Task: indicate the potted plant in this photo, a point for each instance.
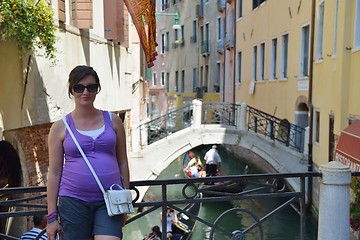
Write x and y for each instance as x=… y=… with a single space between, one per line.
x=30 y=24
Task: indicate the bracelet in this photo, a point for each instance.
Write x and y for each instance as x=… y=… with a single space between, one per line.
x=52 y=220
x=54 y=213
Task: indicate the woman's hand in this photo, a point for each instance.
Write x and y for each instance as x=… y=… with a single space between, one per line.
x=52 y=229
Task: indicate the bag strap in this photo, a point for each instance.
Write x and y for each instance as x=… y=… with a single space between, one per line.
x=83 y=155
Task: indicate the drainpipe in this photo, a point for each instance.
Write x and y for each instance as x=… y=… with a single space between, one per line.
x=235 y=54
x=310 y=105
x=225 y=23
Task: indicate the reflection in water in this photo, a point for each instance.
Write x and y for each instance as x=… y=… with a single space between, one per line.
x=283 y=225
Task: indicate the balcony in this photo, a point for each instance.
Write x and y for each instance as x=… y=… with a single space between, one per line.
x=200 y=9
x=220 y=46
x=205 y=50
x=229 y=40
x=221 y=5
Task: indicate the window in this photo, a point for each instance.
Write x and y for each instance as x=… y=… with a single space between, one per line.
x=201 y=76
x=167 y=82
x=176 y=82
x=218 y=77
x=176 y=35
x=154 y=79
x=195 y=79
x=317 y=126
x=163 y=43
x=273 y=59
x=182 y=35
x=218 y=27
x=256 y=3
x=357 y=25
x=304 y=52
x=194 y=35
x=262 y=61
x=284 y=56
x=320 y=31
x=254 y=63
x=183 y=81
x=162 y=78
x=167 y=41
x=240 y=8
x=206 y=80
x=239 y=64
x=335 y=25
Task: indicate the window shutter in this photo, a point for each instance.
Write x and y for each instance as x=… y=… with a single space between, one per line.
x=82 y=14
x=61 y=4
x=116 y=22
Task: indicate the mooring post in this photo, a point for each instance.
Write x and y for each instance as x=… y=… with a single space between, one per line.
x=334 y=203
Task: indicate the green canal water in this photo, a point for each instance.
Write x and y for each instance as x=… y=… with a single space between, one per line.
x=283 y=225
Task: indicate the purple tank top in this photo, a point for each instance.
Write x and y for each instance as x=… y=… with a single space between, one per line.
x=77 y=180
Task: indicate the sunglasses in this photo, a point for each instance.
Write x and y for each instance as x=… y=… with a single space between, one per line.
x=79 y=88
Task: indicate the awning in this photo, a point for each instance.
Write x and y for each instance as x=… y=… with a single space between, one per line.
x=348 y=147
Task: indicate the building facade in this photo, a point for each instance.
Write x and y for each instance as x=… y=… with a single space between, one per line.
x=195 y=54
x=272 y=57
x=34 y=91
x=336 y=74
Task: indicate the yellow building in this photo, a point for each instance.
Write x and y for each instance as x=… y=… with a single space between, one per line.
x=272 y=57
x=336 y=81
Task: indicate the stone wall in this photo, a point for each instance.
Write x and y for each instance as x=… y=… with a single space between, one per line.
x=31 y=145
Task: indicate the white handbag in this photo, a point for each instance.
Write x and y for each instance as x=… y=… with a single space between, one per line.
x=117 y=201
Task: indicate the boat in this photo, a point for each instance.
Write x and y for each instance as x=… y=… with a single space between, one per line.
x=183 y=228
x=217 y=188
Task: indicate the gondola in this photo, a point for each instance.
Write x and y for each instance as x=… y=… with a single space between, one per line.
x=183 y=229
x=217 y=188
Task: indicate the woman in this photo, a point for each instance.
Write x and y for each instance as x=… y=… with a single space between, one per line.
x=82 y=212
x=155 y=234
x=171 y=218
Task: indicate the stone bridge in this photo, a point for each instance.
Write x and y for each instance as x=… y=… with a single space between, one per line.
x=150 y=160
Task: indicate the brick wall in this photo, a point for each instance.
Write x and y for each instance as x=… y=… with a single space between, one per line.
x=31 y=146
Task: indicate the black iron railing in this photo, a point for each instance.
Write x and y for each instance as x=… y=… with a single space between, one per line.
x=279 y=130
x=165 y=125
x=219 y=113
x=258 y=186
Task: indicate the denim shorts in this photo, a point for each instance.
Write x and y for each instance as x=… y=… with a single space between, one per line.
x=82 y=220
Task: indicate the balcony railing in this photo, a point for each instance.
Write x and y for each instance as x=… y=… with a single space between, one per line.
x=277 y=129
x=205 y=48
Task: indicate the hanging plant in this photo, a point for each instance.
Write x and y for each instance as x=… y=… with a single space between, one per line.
x=355 y=205
x=30 y=24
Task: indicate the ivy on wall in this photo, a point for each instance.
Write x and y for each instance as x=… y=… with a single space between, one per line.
x=355 y=205
x=30 y=24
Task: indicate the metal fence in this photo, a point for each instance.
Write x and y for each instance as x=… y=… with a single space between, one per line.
x=165 y=125
x=258 y=186
x=219 y=113
x=277 y=129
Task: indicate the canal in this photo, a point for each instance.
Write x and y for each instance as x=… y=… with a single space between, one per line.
x=283 y=225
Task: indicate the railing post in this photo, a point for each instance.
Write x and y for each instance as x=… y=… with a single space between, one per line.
x=197 y=110
x=241 y=117
x=334 y=203
x=306 y=142
x=143 y=134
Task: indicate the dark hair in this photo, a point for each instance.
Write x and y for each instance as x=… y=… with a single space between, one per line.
x=156 y=229
x=38 y=219
x=78 y=73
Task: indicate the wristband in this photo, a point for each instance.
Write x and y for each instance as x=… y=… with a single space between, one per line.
x=52 y=220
